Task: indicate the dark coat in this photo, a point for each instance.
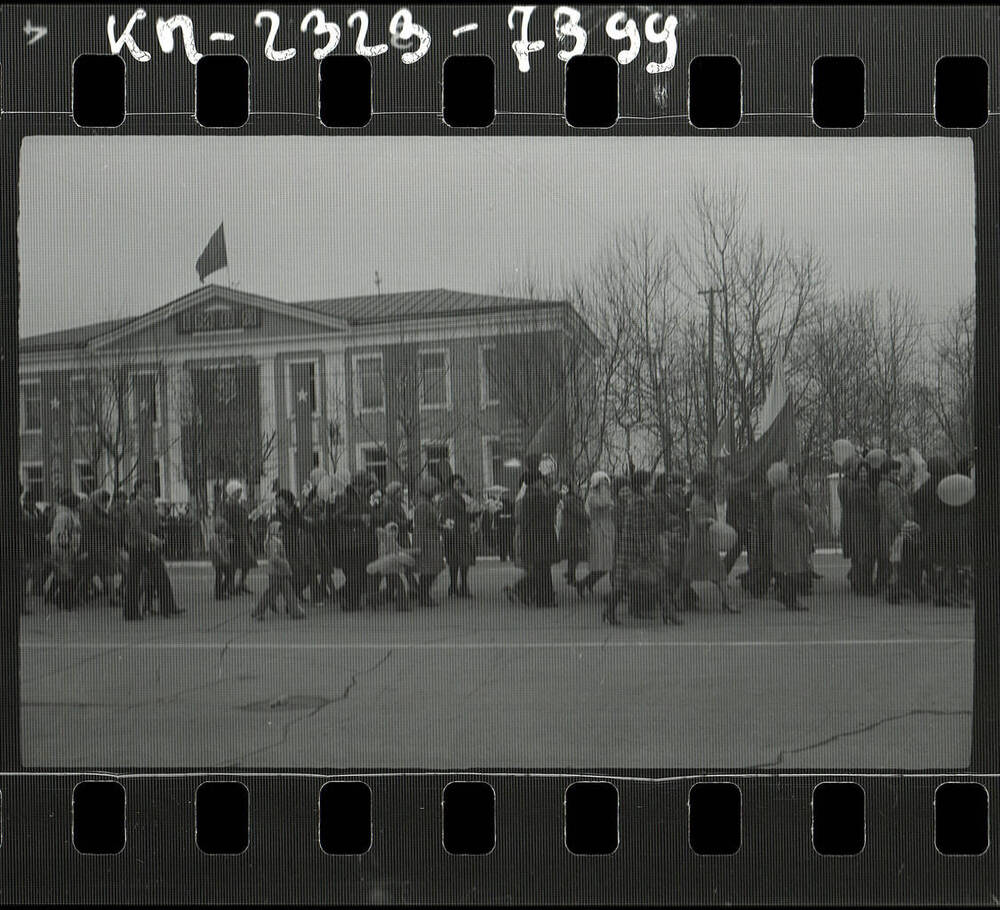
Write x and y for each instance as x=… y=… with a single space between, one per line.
x=458 y=541
x=314 y=522
x=858 y=520
x=429 y=553
x=893 y=510
x=574 y=529
x=355 y=537
x=238 y=519
x=789 y=533
x=739 y=508
x=539 y=545
x=392 y=510
x=637 y=539
x=940 y=525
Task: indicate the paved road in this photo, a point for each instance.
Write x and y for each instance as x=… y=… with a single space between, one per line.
x=853 y=683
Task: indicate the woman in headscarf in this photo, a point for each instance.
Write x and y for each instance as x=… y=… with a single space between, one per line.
x=789 y=534
x=394 y=510
x=859 y=524
x=236 y=516
x=428 y=549
x=572 y=530
x=357 y=543
x=600 y=508
x=458 y=550
x=702 y=561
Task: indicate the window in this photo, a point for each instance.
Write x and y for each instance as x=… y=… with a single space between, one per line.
x=488 y=374
x=375 y=460
x=434 y=379
x=434 y=453
x=81 y=408
x=315 y=458
x=84 y=478
x=31 y=407
x=157 y=478
x=34 y=479
x=368 y=388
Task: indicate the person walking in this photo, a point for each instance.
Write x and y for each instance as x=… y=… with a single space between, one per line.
x=701 y=559
x=572 y=530
x=429 y=551
x=458 y=550
x=220 y=553
x=238 y=519
x=145 y=553
x=357 y=543
x=539 y=545
x=600 y=509
x=789 y=534
x=279 y=577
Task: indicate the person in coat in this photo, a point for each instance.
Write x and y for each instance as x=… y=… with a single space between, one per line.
x=393 y=511
x=859 y=526
x=65 y=540
x=639 y=572
x=279 y=577
x=458 y=550
x=600 y=509
x=355 y=528
x=427 y=546
x=145 y=554
x=701 y=559
x=789 y=534
x=739 y=516
x=97 y=540
x=672 y=530
x=573 y=530
x=939 y=527
x=539 y=545
x=894 y=511
x=238 y=519
x=219 y=552
x=504 y=523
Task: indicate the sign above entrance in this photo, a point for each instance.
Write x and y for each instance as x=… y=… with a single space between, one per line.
x=217 y=317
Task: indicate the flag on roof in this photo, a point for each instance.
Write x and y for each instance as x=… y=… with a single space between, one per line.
x=213 y=257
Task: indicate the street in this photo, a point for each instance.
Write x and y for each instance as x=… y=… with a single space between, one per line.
x=852 y=683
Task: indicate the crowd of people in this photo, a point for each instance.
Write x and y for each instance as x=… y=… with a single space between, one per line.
x=646 y=539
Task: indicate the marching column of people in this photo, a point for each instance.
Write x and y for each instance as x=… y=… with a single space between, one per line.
x=648 y=540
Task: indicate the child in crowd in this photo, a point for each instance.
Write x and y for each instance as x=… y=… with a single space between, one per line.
x=279 y=577
x=220 y=550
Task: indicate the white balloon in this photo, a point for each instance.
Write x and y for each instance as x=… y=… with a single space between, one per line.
x=956 y=490
x=842 y=450
x=876 y=457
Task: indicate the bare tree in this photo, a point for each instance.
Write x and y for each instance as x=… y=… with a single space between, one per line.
x=951 y=383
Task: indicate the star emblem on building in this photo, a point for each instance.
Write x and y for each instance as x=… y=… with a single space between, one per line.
x=302 y=395
x=54 y=403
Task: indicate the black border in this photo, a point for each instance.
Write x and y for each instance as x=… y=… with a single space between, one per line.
x=776 y=46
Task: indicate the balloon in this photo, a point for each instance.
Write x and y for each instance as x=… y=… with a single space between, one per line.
x=842 y=450
x=324 y=488
x=314 y=476
x=512 y=463
x=956 y=490
x=722 y=536
x=876 y=457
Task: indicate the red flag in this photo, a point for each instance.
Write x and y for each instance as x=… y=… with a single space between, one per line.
x=213 y=257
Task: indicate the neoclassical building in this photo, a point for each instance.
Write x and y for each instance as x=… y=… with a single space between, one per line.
x=222 y=383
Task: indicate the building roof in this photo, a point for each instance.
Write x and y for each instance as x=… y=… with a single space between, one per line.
x=365 y=310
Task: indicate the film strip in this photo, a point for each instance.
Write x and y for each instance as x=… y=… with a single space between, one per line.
x=742 y=226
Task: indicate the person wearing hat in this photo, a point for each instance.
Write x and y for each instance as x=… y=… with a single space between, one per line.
x=539 y=545
x=894 y=511
x=600 y=509
x=858 y=524
x=789 y=534
x=145 y=554
x=236 y=516
x=428 y=548
x=65 y=541
x=393 y=511
x=572 y=530
x=458 y=551
x=356 y=541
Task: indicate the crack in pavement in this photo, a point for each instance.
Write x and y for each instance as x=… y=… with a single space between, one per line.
x=236 y=762
x=783 y=753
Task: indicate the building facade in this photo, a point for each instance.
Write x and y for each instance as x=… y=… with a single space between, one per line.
x=222 y=383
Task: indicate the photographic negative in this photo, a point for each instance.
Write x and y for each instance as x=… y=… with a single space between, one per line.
x=423 y=452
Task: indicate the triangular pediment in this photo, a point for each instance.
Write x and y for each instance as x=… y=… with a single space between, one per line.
x=214 y=311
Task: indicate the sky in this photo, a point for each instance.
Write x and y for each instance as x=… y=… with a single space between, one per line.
x=112 y=226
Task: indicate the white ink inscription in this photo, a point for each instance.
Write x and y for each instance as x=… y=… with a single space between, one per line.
x=618 y=32
x=126 y=39
x=165 y=34
x=522 y=47
x=331 y=29
x=269 y=51
x=570 y=29
x=403 y=26
x=361 y=17
x=667 y=34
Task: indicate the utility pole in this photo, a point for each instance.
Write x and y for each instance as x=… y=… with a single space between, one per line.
x=710 y=379
x=378 y=283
